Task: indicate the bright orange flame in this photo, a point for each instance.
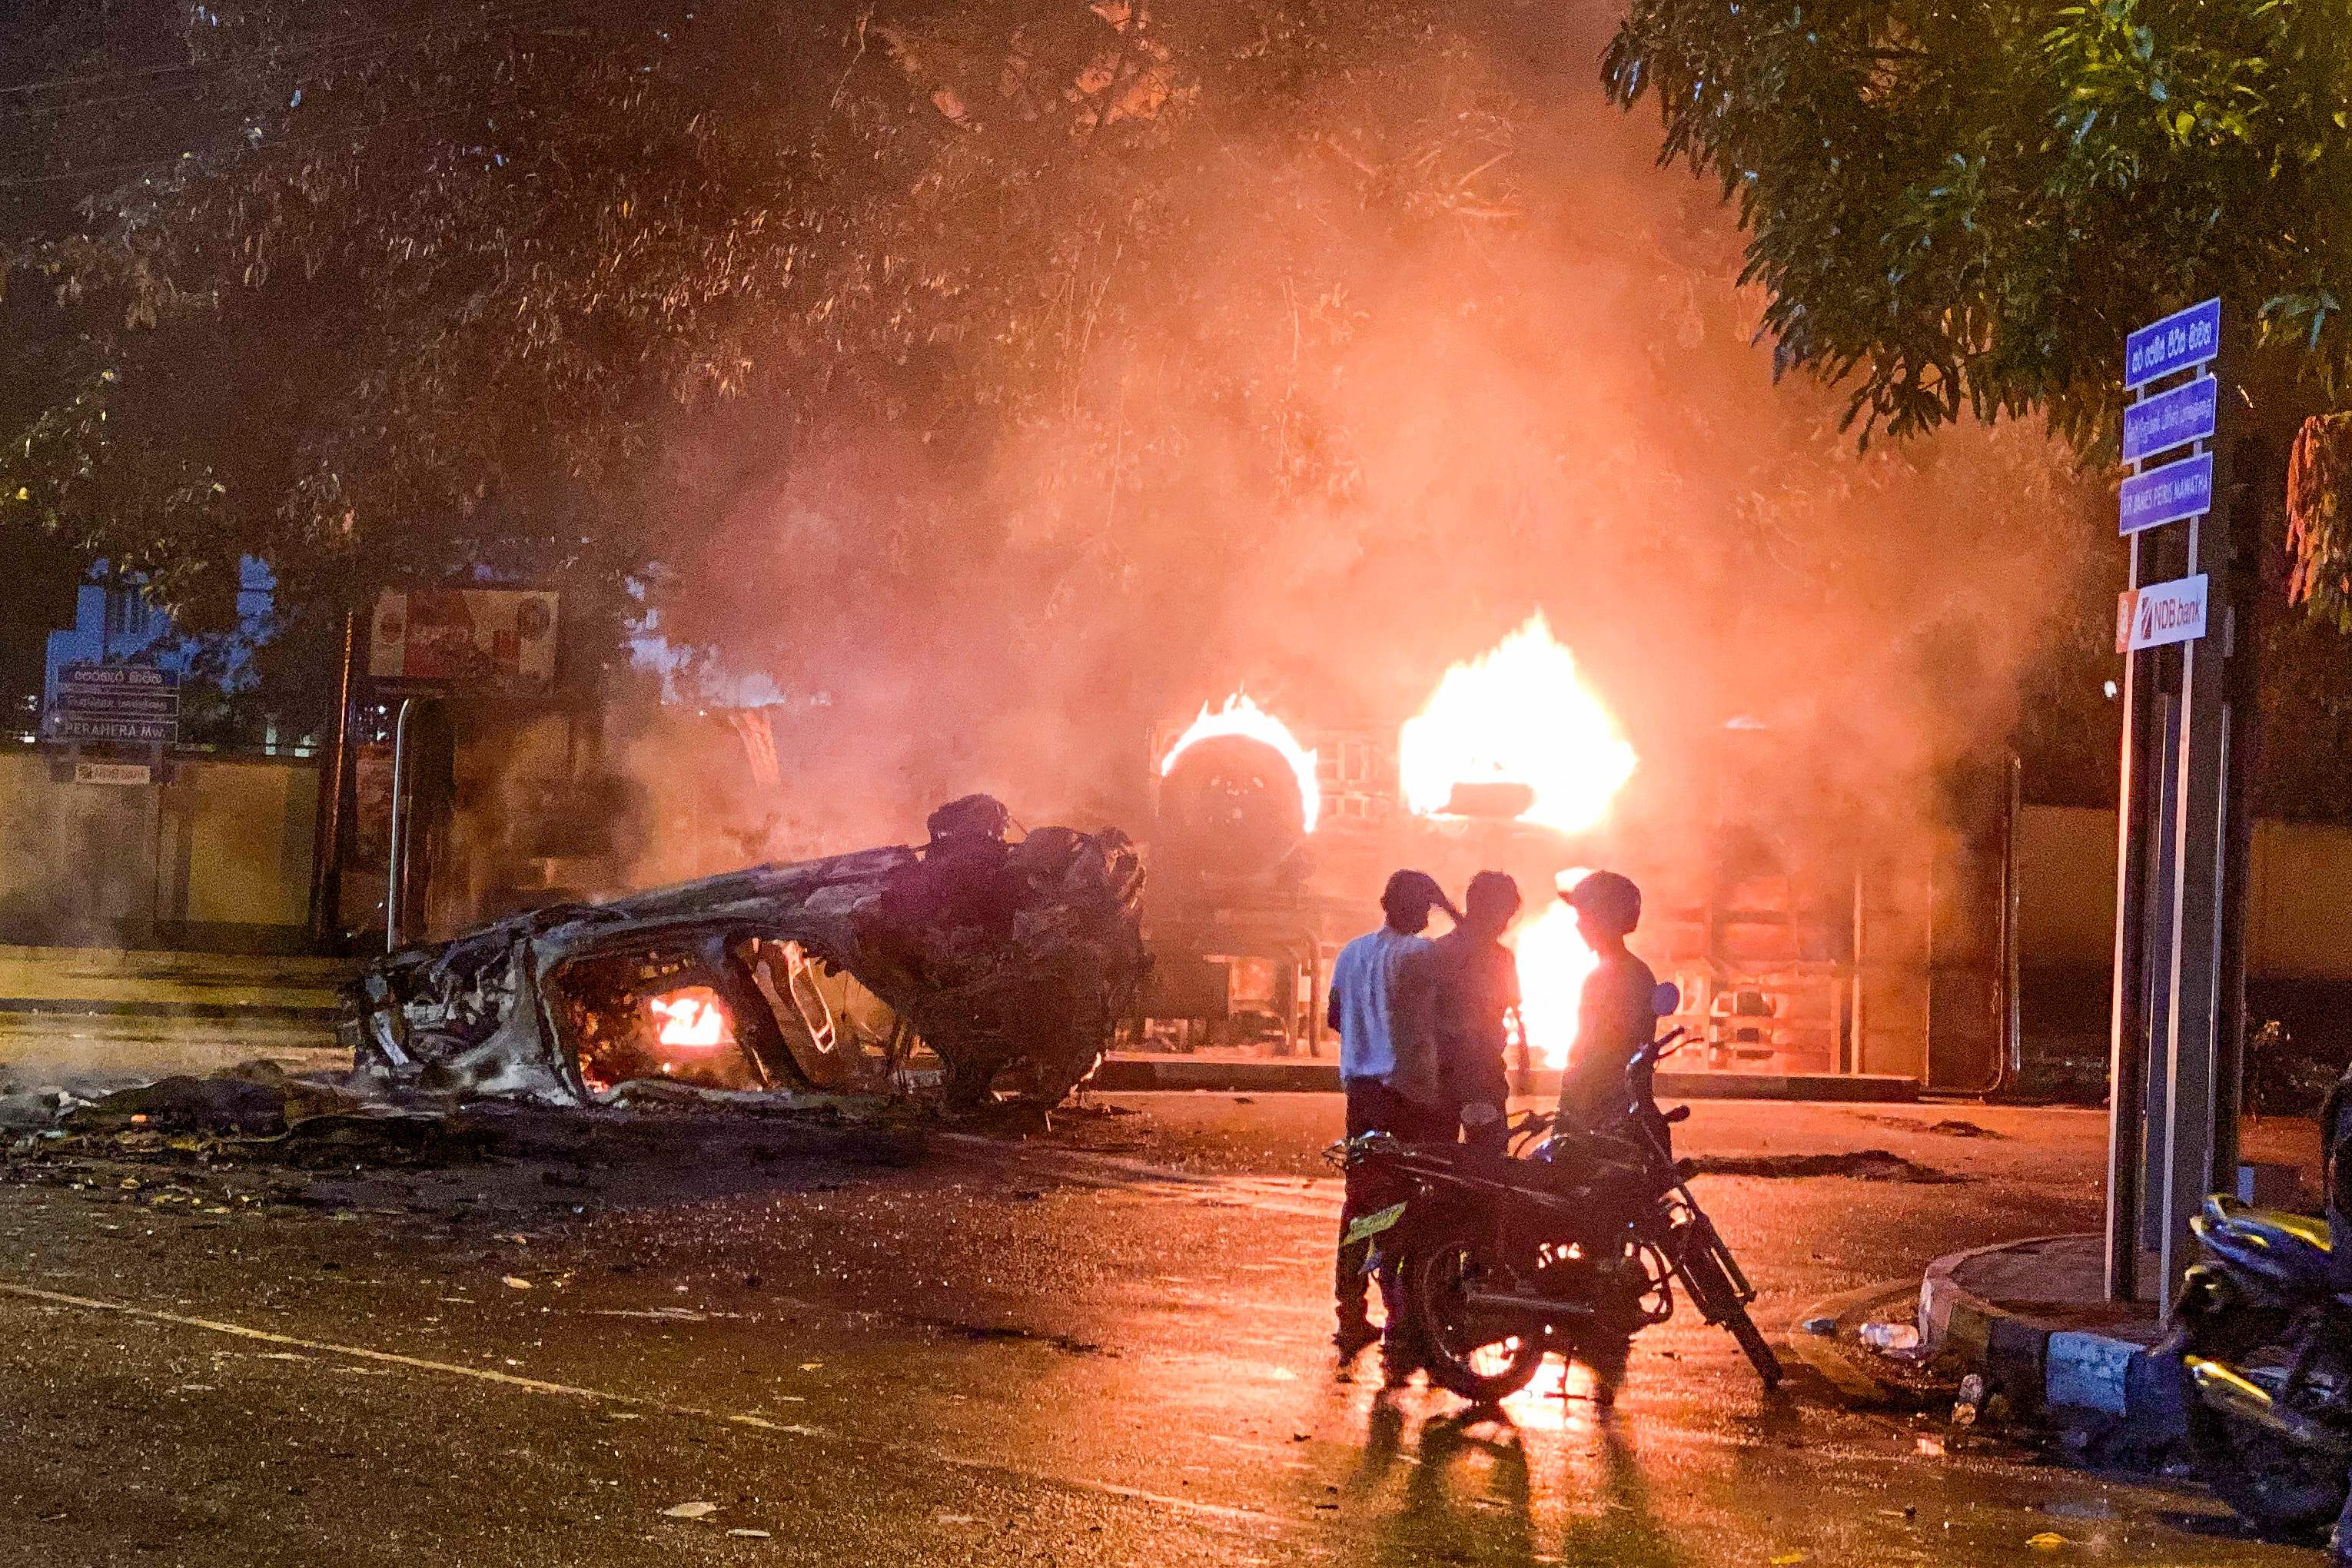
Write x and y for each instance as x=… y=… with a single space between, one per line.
x=691 y=1017
x=1553 y=962
x=1240 y=716
x=1517 y=715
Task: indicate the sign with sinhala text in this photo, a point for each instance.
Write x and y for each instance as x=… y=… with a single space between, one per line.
x=2172 y=418
x=118 y=702
x=2168 y=494
x=2183 y=338
x=2160 y=613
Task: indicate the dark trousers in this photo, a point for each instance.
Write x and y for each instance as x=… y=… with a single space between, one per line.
x=1374 y=1107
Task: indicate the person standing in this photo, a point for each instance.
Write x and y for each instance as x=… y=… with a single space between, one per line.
x=1616 y=1013
x=1388 y=1070
x=1476 y=988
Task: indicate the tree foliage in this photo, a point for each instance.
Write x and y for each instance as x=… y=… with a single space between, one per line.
x=1976 y=202
x=939 y=347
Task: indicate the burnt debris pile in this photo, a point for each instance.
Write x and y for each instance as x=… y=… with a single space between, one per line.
x=978 y=964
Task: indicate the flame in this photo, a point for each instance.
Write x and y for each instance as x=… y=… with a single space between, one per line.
x=1240 y=716
x=690 y=1017
x=1553 y=962
x=1517 y=715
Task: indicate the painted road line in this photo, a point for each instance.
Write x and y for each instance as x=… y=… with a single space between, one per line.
x=1255 y=1521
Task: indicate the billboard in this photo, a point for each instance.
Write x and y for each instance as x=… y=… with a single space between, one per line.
x=448 y=639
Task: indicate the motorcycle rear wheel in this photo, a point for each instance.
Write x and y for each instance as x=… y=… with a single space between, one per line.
x=1478 y=1354
x=2287 y=1492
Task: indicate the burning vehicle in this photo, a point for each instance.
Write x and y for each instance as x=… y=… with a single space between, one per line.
x=1811 y=950
x=1005 y=964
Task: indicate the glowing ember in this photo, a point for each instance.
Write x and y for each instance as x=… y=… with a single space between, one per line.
x=1553 y=962
x=691 y=1017
x=1516 y=718
x=1242 y=717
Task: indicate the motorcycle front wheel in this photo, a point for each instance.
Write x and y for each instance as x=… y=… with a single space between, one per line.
x=1483 y=1356
x=2285 y=1491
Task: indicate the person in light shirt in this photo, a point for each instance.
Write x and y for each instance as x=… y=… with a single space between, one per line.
x=1381 y=1005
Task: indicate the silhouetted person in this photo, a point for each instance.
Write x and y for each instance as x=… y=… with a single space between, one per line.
x=1388 y=1067
x=1475 y=983
x=1615 y=1012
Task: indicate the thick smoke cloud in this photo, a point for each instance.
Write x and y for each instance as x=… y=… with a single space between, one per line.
x=1336 y=391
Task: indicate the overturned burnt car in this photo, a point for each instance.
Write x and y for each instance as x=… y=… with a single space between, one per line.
x=1003 y=967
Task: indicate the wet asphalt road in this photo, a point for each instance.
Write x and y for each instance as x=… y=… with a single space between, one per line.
x=1107 y=1346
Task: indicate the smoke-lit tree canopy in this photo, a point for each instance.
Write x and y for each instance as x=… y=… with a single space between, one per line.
x=1976 y=202
x=1116 y=351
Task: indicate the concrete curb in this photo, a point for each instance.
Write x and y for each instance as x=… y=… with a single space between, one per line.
x=198 y=1012
x=2043 y=1363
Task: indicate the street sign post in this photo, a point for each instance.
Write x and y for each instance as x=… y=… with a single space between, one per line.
x=2182 y=340
x=2169 y=494
x=2171 y=1106
x=2171 y=419
x=134 y=702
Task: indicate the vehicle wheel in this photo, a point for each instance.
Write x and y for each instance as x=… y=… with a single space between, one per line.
x=1480 y=1355
x=2285 y=1491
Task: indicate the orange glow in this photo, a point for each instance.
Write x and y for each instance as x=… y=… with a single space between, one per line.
x=1240 y=716
x=1518 y=714
x=1553 y=962
x=691 y=1017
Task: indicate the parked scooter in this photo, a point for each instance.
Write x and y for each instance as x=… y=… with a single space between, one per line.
x=1567 y=1245
x=2263 y=1330
x=2265 y=1343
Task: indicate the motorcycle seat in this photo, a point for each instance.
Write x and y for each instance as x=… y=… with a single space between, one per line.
x=2290 y=1248
x=2311 y=1230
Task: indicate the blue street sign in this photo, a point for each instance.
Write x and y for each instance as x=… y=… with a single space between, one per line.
x=116 y=702
x=2168 y=494
x=2183 y=338
x=2172 y=418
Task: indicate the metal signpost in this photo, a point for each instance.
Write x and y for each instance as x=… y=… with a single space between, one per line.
x=2172 y=1113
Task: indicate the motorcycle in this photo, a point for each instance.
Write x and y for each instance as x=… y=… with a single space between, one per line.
x=2265 y=1338
x=1555 y=1244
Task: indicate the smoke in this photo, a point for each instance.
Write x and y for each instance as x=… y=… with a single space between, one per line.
x=1320 y=394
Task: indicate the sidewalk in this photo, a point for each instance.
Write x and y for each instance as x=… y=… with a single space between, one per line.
x=2033 y=1317
x=87 y=1014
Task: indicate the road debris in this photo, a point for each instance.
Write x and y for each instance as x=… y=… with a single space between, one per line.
x=1890 y=1338
x=690 y=1510
x=1861 y=1164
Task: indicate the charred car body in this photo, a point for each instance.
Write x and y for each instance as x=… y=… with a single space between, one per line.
x=1009 y=963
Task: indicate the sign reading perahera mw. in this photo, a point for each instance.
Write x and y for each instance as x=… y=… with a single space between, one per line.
x=116 y=702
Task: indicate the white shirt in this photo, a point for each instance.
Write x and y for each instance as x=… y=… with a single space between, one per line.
x=1363 y=997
